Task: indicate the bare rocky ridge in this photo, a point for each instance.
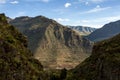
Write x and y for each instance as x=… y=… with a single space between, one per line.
x=55 y=45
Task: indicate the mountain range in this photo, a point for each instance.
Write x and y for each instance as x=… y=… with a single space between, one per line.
x=54 y=45
x=82 y=30
x=18 y=63
x=107 y=31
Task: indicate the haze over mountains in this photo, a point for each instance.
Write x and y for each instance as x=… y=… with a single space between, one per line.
x=83 y=30
x=55 y=45
x=108 y=30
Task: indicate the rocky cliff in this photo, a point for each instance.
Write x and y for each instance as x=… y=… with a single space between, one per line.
x=55 y=45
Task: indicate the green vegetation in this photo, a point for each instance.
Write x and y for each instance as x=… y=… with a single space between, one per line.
x=103 y=64
x=16 y=61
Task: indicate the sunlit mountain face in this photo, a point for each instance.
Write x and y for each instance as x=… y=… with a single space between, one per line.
x=53 y=44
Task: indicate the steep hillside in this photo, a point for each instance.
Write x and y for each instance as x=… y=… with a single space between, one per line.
x=103 y=64
x=83 y=30
x=8 y=19
x=107 y=31
x=16 y=61
x=55 y=45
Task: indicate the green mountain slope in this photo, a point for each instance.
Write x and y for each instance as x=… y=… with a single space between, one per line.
x=16 y=61
x=55 y=45
x=103 y=64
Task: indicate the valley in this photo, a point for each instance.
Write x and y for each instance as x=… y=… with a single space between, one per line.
x=55 y=45
x=39 y=48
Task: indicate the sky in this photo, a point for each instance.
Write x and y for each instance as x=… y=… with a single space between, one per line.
x=92 y=13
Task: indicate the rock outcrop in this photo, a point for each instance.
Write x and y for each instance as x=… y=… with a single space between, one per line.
x=55 y=45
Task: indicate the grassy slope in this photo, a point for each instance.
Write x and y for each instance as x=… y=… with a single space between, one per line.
x=103 y=64
x=16 y=61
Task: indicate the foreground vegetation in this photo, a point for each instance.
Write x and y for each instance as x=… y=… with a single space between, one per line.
x=17 y=62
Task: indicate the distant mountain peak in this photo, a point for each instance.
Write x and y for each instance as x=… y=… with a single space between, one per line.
x=23 y=18
x=83 y=30
x=108 y=30
x=40 y=16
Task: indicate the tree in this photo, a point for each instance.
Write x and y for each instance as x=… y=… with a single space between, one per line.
x=63 y=74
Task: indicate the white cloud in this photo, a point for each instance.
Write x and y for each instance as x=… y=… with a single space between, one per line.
x=2 y=1
x=98 y=22
x=14 y=2
x=107 y=19
x=62 y=19
x=67 y=5
x=96 y=9
x=86 y=3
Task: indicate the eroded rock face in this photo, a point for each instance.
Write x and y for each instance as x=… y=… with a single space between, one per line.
x=103 y=64
x=55 y=45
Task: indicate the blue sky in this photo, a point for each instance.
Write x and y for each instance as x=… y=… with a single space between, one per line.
x=93 y=13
